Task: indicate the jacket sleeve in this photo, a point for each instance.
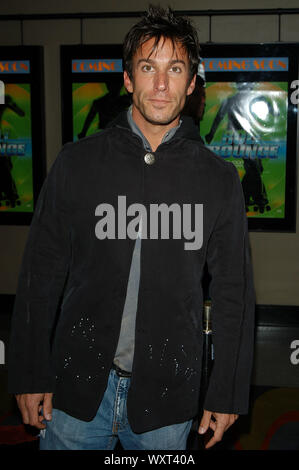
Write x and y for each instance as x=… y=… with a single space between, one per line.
x=41 y=280
x=233 y=305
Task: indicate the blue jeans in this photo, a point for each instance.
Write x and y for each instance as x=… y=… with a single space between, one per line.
x=64 y=432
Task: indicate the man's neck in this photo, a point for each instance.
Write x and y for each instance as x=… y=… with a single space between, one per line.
x=153 y=133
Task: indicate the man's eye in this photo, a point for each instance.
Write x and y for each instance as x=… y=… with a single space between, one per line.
x=176 y=69
x=147 y=68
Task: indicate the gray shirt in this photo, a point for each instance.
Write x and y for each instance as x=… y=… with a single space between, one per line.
x=125 y=349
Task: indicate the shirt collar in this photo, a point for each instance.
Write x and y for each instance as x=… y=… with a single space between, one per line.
x=167 y=136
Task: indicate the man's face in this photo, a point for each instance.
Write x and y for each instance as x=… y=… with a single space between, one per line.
x=160 y=82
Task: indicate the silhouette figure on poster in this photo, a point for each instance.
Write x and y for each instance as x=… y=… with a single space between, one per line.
x=238 y=108
x=8 y=189
x=107 y=107
x=195 y=103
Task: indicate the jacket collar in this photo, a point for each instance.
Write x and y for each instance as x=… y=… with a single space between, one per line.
x=186 y=130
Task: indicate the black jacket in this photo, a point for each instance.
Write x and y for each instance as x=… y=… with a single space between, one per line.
x=72 y=286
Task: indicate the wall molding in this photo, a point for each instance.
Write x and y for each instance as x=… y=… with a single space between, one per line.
x=136 y=14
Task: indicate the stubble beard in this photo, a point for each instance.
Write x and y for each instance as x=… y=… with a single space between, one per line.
x=153 y=117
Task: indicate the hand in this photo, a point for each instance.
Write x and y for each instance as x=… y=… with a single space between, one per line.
x=30 y=407
x=218 y=422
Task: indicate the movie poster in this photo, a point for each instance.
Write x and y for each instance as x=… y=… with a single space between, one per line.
x=246 y=123
x=16 y=173
x=250 y=120
x=22 y=152
x=93 y=89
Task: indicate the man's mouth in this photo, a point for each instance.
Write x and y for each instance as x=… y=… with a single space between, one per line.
x=159 y=102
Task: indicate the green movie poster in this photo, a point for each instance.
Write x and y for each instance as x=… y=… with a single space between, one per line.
x=96 y=104
x=16 y=180
x=246 y=123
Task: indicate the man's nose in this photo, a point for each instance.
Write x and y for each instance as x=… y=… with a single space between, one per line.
x=161 y=81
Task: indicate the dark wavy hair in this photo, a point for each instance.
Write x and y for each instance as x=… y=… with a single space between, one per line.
x=162 y=23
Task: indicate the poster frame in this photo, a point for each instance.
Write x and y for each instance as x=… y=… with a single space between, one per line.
x=35 y=56
x=266 y=50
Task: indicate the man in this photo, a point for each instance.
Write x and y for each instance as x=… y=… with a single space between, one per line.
x=122 y=357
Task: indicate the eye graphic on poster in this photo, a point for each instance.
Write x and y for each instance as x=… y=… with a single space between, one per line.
x=250 y=121
x=22 y=152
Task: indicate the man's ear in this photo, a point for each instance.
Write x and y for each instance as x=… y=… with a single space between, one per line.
x=127 y=82
x=191 y=86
